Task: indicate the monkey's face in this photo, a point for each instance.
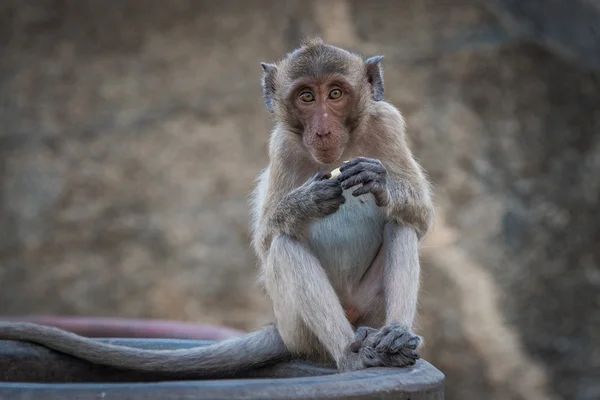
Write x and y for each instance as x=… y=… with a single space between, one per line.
x=322 y=108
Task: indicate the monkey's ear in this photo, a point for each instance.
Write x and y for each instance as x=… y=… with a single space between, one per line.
x=268 y=85
x=375 y=76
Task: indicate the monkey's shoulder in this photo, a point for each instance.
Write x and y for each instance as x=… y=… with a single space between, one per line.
x=386 y=112
x=387 y=122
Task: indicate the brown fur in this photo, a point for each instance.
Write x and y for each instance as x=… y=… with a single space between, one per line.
x=326 y=252
x=310 y=299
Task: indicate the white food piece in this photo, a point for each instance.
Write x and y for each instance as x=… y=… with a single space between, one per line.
x=337 y=171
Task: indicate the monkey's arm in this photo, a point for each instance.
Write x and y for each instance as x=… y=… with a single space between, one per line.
x=290 y=211
x=404 y=192
x=397 y=183
x=409 y=209
x=400 y=257
x=410 y=194
x=402 y=271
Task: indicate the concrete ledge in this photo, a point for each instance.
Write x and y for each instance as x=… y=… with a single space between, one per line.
x=29 y=371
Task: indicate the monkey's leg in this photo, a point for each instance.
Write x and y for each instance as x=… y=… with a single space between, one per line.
x=402 y=272
x=300 y=289
x=368 y=297
x=395 y=344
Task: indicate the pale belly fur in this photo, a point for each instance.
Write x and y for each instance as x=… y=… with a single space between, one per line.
x=347 y=242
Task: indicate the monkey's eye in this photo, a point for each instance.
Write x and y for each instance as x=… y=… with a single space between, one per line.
x=307 y=97
x=335 y=94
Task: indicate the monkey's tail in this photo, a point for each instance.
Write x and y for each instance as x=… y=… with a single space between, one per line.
x=253 y=350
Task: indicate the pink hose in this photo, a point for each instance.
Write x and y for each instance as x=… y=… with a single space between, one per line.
x=131 y=328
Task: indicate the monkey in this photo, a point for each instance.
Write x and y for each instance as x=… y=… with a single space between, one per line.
x=338 y=255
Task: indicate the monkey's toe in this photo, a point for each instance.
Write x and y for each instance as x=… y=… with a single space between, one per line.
x=372 y=358
x=388 y=335
x=360 y=338
x=392 y=341
x=399 y=344
x=391 y=346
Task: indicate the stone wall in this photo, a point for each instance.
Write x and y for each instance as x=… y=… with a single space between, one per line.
x=131 y=133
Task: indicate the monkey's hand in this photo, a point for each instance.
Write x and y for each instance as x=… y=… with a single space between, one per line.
x=317 y=198
x=391 y=346
x=324 y=196
x=371 y=174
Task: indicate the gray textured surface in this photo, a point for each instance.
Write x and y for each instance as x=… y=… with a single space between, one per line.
x=130 y=135
x=30 y=371
x=567 y=27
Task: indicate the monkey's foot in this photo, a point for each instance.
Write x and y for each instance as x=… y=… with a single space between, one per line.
x=391 y=346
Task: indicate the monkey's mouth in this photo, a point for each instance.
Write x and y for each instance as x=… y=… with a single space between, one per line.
x=327 y=156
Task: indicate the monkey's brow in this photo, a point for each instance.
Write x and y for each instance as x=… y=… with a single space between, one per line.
x=301 y=83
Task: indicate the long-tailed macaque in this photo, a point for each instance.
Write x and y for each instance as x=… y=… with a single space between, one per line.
x=339 y=255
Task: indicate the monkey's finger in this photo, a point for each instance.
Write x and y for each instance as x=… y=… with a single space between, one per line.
x=327 y=189
x=382 y=196
x=413 y=343
x=363 y=177
x=339 y=200
x=356 y=161
x=358 y=168
x=333 y=190
x=322 y=175
x=412 y=354
x=370 y=187
x=347 y=173
x=377 y=172
x=329 y=184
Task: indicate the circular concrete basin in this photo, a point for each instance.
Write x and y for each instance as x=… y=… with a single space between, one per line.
x=29 y=371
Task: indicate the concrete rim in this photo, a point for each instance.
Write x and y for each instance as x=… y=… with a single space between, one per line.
x=297 y=381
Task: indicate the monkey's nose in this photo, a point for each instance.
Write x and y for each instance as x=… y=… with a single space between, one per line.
x=323 y=133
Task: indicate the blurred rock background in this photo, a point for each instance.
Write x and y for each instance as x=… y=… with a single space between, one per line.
x=131 y=132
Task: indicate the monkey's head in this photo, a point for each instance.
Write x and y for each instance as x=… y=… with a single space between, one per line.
x=322 y=95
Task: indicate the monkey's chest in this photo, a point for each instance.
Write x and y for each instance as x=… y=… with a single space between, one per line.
x=347 y=242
